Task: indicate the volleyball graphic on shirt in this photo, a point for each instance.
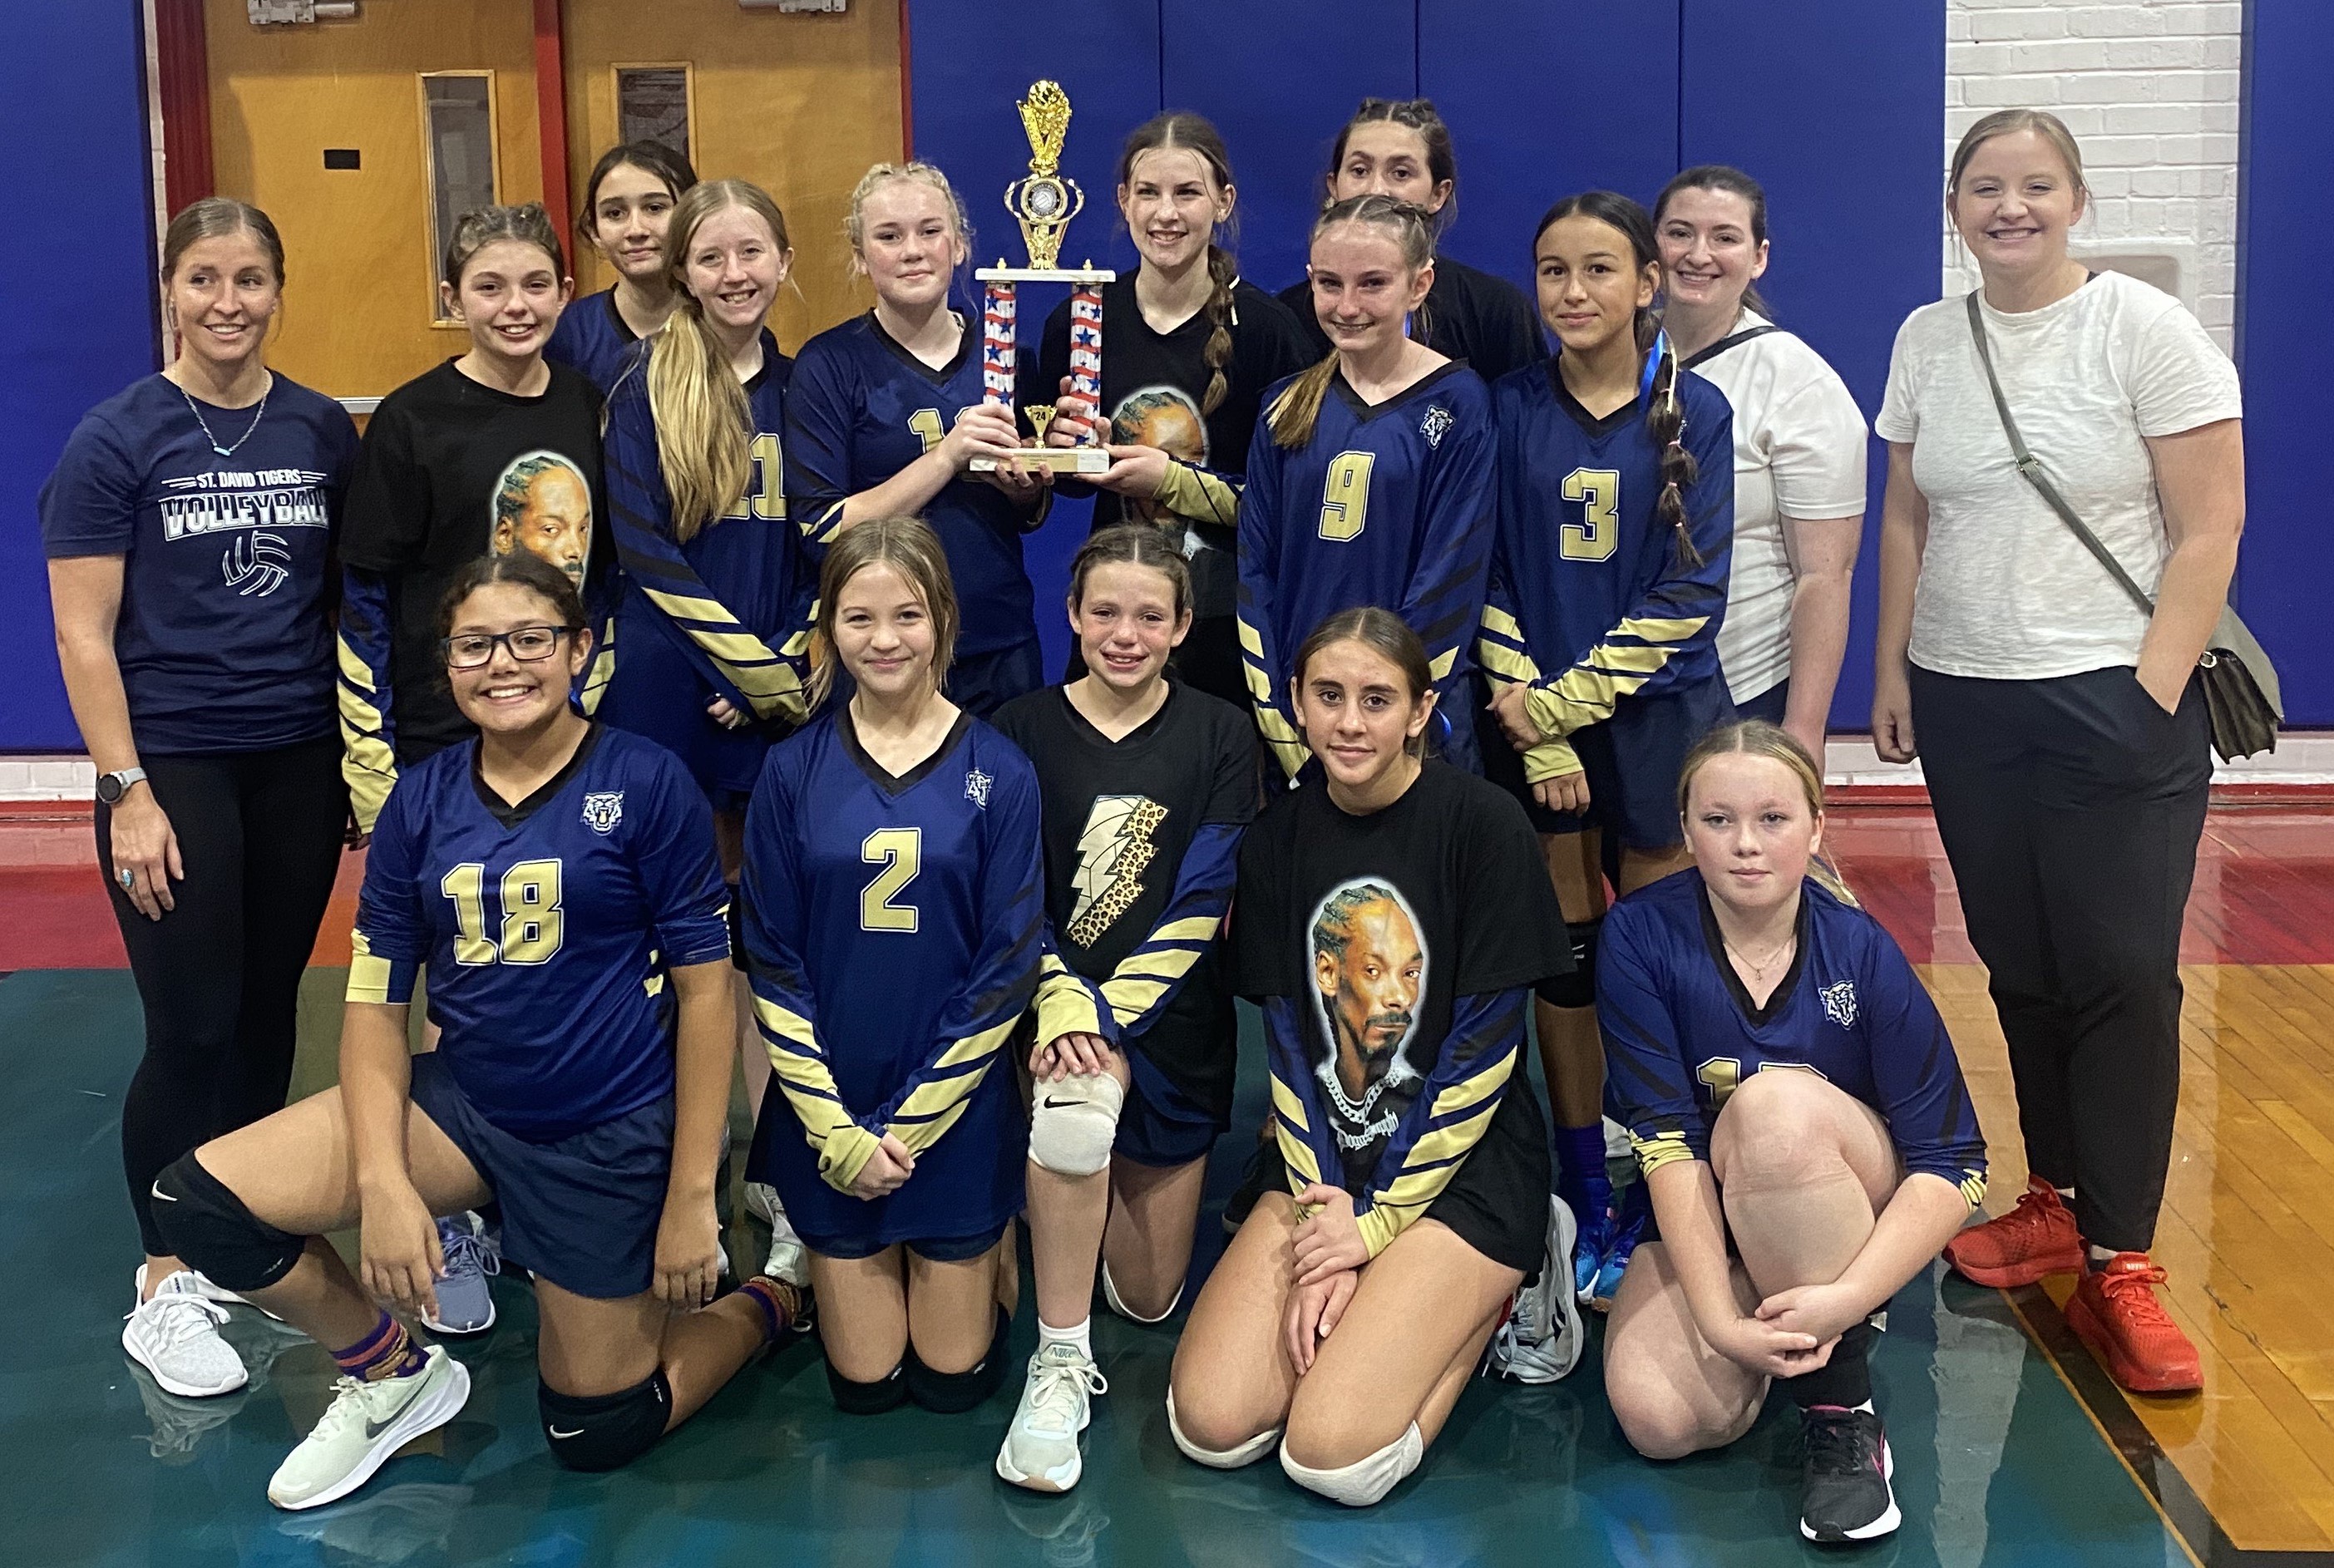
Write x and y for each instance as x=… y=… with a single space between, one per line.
x=1368 y=960
x=543 y=505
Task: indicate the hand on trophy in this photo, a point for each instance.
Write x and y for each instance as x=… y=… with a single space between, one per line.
x=988 y=430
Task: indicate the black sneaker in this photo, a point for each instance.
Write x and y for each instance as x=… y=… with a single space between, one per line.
x=1844 y=1493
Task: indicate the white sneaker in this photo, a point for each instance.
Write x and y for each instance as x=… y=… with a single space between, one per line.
x=789 y=1259
x=174 y=1335
x=1541 y=1339
x=1041 y=1446
x=367 y=1423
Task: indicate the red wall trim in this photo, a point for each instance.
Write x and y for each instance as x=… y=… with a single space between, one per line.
x=551 y=110
x=907 y=94
x=183 y=82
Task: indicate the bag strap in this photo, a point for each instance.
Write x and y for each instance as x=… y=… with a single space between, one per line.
x=1728 y=342
x=2030 y=468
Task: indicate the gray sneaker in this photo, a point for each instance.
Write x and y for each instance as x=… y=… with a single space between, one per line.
x=174 y=1335
x=1541 y=1339
x=465 y=1304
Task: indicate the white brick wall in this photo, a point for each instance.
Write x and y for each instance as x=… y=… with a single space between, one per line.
x=2150 y=89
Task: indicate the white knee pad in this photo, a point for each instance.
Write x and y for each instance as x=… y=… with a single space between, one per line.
x=1364 y=1481
x=1074 y=1123
x=1247 y=1453
x=1109 y=1299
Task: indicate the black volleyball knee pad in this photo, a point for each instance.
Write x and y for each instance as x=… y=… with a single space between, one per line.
x=605 y=1431
x=888 y=1392
x=214 y=1232
x=952 y=1393
x=1577 y=989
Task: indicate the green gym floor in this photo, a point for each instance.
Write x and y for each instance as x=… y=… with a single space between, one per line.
x=1996 y=1460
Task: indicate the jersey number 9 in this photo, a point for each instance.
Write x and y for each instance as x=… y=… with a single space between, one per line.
x=1597 y=533
x=901 y=852
x=533 y=925
x=1346 y=496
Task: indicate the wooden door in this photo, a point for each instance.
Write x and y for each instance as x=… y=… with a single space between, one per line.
x=798 y=104
x=360 y=288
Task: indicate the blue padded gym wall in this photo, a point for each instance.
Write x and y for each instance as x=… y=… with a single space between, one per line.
x=74 y=78
x=1837 y=105
x=2285 y=341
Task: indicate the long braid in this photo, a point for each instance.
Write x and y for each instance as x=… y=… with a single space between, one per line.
x=1223 y=272
x=1665 y=422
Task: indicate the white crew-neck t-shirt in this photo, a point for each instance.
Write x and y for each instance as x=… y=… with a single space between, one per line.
x=2007 y=592
x=1798 y=452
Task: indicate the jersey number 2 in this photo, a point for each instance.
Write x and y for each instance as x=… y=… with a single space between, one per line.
x=533 y=925
x=1346 y=496
x=901 y=852
x=1597 y=533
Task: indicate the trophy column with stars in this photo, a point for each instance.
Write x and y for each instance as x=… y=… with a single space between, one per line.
x=1043 y=203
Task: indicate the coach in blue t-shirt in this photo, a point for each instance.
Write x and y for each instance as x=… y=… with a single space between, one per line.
x=189 y=525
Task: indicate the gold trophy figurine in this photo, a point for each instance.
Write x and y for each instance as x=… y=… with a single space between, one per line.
x=1043 y=203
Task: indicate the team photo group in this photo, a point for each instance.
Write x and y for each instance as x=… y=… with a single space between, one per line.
x=1449 y=671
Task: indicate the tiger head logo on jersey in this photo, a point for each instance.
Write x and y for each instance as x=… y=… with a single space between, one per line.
x=1839 y=1004
x=1369 y=977
x=543 y=505
x=602 y=810
x=976 y=788
x=1435 y=425
x=1112 y=851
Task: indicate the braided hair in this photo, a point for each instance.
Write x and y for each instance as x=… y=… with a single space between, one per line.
x=1180 y=130
x=1664 y=414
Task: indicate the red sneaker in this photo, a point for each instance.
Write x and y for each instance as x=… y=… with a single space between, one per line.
x=2036 y=1238
x=2114 y=1313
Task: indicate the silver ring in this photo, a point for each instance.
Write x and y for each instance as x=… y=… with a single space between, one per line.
x=129 y=878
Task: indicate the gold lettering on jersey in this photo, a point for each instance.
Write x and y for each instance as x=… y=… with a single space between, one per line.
x=1346 y=496
x=1597 y=533
x=533 y=923
x=926 y=424
x=901 y=852
x=1112 y=854
x=764 y=499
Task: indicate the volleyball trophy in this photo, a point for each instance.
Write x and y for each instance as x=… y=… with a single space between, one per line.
x=1043 y=203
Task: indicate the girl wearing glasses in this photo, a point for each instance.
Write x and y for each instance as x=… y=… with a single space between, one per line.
x=559 y=878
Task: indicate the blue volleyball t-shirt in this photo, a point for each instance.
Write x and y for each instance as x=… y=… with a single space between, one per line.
x=221 y=636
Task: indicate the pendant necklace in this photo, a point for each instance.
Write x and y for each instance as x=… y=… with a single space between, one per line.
x=205 y=423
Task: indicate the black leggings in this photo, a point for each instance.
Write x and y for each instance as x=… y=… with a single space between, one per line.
x=2071 y=810
x=259 y=834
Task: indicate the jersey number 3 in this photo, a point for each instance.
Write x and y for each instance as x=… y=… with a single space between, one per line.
x=1346 y=496
x=1597 y=533
x=532 y=922
x=901 y=852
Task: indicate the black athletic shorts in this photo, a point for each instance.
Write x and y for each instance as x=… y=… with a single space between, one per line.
x=1497 y=1201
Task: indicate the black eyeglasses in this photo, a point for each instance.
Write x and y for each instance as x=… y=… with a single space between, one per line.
x=526 y=644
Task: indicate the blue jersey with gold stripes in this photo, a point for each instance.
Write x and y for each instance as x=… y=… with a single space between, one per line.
x=861 y=409
x=892 y=927
x=1393 y=956
x=1390 y=503
x=724 y=613
x=593 y=337
x=546 y=925
x=1681 y=1032
x=1591 y=601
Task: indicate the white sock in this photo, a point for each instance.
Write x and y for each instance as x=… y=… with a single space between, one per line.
x=2100 y=1254
x=1079 y=1333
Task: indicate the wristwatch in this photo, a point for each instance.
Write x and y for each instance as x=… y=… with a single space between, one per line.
x=112 y=786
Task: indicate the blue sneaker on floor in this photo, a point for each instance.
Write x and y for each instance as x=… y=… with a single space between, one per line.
x=1588 y=1252
x=1619 y=1244
x=465 y=1304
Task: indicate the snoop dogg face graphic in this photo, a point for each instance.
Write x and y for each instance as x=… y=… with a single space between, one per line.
x=1369 y=978
x=543 y=505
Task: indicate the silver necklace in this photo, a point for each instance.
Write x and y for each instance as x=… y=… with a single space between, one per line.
x=1772 y=958
x=205 y=423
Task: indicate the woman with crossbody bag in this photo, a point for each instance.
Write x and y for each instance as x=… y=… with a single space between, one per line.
x=2062 y=728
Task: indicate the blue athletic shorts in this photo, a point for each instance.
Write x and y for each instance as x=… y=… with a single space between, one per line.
x=932 y=1249
x=581 y=1211
x=981 y=683
x=1769 y=704
x=1633 y=761
x=1159 y=1125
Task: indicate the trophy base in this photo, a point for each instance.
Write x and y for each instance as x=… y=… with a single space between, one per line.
x=1060 y=460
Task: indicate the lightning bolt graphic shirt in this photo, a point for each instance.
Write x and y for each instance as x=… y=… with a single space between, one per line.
x=221 y=636
x=1141 y=845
